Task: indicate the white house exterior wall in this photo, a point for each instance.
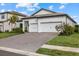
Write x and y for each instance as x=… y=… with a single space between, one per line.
x=35 y=24
x=1 y=26
x=18 y=24
x=50 y=23
x=9 y=15
x=70 y=22
x=52 y=19
x=5 y=15
x=6 y=26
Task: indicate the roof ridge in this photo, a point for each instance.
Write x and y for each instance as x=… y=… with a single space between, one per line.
x=46 y=10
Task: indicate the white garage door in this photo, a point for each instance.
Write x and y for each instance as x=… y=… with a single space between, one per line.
x=48 y=27
x=33 y=27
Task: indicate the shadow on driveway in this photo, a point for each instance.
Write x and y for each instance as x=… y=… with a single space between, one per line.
x=7 y=53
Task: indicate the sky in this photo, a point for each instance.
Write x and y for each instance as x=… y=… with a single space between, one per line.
x=29 y=8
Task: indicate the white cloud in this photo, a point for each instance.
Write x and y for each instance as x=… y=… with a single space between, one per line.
x=8 y=10
x=3 y=10
x=76 y=18
x=2 y=4
x=14 y=10
x=63 y=3
x=31 y=9
x=36 y=5
x=62 y=6
x=28 y=6
x=23 y=12
x=22 y=5
x=50 y=7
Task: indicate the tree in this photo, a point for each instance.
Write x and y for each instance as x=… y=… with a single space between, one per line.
x=12 y=21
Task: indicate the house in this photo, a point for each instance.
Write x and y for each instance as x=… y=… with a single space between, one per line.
x=4 y=22
x=46 y=21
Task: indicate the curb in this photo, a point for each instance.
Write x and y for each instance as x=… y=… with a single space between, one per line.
x=27 y=53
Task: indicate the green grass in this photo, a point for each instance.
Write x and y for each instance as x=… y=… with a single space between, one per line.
x=56 y=52
x=70 y=41
x=7 y=34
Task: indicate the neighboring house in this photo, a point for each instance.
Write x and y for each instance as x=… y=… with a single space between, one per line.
x=46 y=21
x=4 y=22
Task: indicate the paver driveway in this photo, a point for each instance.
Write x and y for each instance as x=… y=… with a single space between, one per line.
x=27 y=41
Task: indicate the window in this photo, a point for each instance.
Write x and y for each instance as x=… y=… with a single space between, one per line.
x=3 y=16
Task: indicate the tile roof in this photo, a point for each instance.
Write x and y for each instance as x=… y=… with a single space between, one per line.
x=54 y=14
x=14 y=12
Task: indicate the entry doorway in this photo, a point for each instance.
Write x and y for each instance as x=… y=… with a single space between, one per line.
x=26 y=26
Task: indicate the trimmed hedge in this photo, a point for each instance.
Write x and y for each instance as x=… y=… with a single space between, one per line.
x=17 y=30
x=68 y=30
x=76 y=28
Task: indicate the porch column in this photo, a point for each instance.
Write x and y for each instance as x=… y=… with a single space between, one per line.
x=23 y=26
x=38 y=25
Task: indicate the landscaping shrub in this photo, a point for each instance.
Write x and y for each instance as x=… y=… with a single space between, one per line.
x=17 y=30
x=77 y=28
x=68 y=30
x=7 y=31
x=26 y=29
x=65 y=29
x=1 y=32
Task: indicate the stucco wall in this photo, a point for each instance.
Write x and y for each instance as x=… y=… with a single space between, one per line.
x=52 y=19
x=35 y=24
x=1 y=26
x=5 y=15
x=6 y=26
x=9 y=15
x=70 y=22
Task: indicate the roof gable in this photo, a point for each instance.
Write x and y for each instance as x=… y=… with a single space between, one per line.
x=43 y=11
x=14 y=12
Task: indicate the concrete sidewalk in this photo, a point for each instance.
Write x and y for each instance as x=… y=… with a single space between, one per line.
x=4 y=51
x=63 y=48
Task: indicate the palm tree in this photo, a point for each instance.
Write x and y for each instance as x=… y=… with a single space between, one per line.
x=12 y=21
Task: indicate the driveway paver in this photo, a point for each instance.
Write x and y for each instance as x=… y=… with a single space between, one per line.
x=27 y=41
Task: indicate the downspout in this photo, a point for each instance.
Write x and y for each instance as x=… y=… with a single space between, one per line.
x=37 y=26
x=3 y=27
x=7 y=21
x=23 y=26
x=66 y=20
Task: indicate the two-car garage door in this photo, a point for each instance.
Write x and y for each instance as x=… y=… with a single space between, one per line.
x=48 y=27
x=44 y=27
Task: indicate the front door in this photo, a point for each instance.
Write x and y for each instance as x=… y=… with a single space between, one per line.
x=26 y=26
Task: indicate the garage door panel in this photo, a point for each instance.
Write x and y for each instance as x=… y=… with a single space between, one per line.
x=48 y=27
x=33 y=28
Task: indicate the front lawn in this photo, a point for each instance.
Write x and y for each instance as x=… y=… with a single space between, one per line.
x=56 y=52
x=71 y=41
x=7 y=34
